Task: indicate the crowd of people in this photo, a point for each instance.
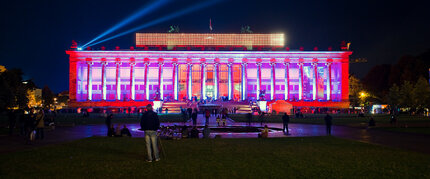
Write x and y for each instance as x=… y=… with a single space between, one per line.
x=179 y=132
x=31 y=123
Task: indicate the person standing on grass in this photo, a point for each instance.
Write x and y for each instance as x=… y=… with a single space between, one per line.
x=249 y=117
x=40 y=124
x=371 y=122
x=327 y=120
x=261 y=118
x=285 y=121
x=393 y=120
x=207 y=116
x=12 y=121
x=108 y=122
x=150 y=124
x=194 y=117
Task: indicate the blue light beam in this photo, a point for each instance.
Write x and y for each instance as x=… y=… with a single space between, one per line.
x=142 y=12
x=165 y=18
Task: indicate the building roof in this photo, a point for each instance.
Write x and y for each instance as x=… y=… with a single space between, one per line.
x=209 y=39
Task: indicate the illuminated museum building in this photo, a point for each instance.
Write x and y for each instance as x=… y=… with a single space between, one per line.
x=179 y=66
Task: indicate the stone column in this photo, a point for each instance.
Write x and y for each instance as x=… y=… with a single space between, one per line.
x=146 y=80
x=118 y=79
x=190 y=81
x=315 y=81
x=132 y=81
x=258 y=80
x=104 y=63
x=203 y=80
x=328 y=83
x=160 y=79
x=272 y=80
x=230 y=83
x=287 y=81
x=216 y=85
x=90 y=80
x=300 y=80
x=175 y=80
x=244 y=80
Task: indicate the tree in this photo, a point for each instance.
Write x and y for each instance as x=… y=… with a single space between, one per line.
x=6 y=94
x=47 y=97
x=421 y=94
x=393 y=97
x=14 y=89
x=355 y=87
x=406 y=95
x=376 y=81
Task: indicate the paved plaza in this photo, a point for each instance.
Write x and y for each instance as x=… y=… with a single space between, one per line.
x=415 y=142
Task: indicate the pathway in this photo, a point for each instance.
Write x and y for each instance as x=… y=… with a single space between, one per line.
x=415 y=142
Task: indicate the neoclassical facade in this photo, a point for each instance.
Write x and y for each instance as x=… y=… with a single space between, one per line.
x=182 y=70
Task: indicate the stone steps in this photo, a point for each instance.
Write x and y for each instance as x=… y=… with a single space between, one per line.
x=174 y=107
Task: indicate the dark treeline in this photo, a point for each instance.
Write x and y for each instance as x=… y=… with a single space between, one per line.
x=409 y=68
x=403 y=84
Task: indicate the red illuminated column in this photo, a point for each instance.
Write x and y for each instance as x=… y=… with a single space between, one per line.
x=90 y=79
x=328 y=83
x=216 y=88
x=146 y=86
x=244 y=80
x=258 y=80
x=272 y=81
x=230 y=86
x=118 y=79
x=175 y=80
x=345 y=80
x=160 y=79
x=287 y=81
x=132 y=81
x=72 y=79
x=300 y=80
x=203 y=80
x=104 y=63
x=315 y=80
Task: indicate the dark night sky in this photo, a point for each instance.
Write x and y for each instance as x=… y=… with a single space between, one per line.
x=35 y=34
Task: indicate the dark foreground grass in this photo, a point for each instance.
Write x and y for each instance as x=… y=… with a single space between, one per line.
x=313 y=157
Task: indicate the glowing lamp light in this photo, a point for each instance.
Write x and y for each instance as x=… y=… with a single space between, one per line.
x=79 y=48
x=363 y=94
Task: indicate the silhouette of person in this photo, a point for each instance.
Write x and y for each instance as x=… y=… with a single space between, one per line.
x=328 y=123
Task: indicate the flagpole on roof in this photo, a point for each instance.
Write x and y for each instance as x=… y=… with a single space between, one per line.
x=210 y=25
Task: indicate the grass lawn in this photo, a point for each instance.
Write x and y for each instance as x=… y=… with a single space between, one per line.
x=311 y=157
x=415 y=130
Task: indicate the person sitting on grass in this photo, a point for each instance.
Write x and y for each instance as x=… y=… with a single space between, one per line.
x=206 y=132
x=194 y=133
x=125 y=132
x=185 y=132
x=111 y=131
x=118 y=131
x=265 y=132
